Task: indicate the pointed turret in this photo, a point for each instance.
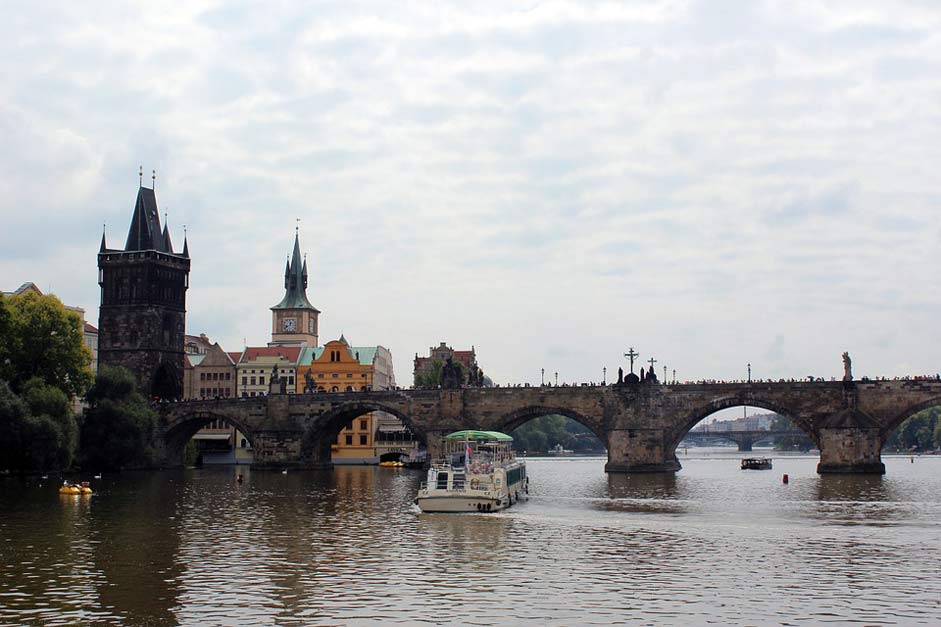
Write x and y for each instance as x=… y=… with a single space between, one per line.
x=186 y=247
x=166 y=239
x=295 y=282
x=104 y=244
x=145 y=233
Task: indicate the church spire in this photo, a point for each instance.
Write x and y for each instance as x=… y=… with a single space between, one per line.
x=104 y=244
x=295 y=281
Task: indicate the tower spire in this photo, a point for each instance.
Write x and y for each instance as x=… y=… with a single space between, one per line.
x=104 y=244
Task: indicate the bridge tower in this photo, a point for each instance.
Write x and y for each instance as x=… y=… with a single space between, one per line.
x=294 y=320
x=142 y=315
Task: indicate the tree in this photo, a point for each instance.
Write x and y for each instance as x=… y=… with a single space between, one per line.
x=41 y=338
x=37 y=429
x=118 y=427
x=432 y=377
x=919 y=433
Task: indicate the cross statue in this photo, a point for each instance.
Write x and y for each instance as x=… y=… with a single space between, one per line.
x=651 y=361
x=631 y=354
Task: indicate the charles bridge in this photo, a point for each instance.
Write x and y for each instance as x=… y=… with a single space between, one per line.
x=641 y=423
x=744 y=439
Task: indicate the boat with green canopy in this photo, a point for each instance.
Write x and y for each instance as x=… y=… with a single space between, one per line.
x=478 y=471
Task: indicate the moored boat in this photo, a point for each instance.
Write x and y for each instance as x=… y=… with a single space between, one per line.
x=479 y=472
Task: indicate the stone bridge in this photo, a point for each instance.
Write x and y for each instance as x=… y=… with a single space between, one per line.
x=745 y=439
x=641 y=424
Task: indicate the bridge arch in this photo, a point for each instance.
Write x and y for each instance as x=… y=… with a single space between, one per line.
x=320 y=434
x=729 y=402
x=517 y=418
x=896 y=421
x=187 y=425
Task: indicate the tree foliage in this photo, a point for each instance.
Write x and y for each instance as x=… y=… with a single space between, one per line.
x=40 y=338
x=545 y=432
x=118 y=427
x=38 y=431
x=921 y=432
x=431 y=378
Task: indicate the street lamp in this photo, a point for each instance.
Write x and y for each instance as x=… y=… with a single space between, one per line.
x=543 y=376
x=674 y=376
x=557 y=379
x=749 y=372
x=665 y=374
x=604 y=375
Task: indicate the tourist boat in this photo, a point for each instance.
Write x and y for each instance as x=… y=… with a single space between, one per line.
x=75 y=488
x=756 y=463
x=557 y=450
x=479 y=472
x=392 y=464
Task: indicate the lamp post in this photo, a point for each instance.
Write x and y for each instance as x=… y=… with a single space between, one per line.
x=674 y=376
x=604 y=376
x=749 y=372
x=543 y=377
x=557 y=379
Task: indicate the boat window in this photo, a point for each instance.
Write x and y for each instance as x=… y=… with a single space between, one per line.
x=457 y=483
x=442 y=483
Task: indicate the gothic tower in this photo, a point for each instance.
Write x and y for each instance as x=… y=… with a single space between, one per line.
x=142 y=317
x=294 y=319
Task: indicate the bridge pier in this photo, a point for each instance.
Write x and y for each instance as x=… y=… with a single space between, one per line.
x=745 y=444
x=850 y=450
x=639 y=450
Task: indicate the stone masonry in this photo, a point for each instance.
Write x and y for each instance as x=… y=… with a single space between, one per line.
x=641 y=424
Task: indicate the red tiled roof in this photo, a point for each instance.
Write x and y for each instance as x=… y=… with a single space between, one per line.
x=90 y=328
x=290 y=353
x=235 y=356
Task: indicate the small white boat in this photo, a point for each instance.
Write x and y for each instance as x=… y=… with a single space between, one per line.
x=478 y=473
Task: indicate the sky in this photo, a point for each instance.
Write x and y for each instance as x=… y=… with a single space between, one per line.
x=712 y=183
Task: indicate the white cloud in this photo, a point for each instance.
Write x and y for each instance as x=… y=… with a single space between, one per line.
x=710 y=184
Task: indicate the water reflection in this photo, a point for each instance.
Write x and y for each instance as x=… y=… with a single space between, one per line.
x=709 y=544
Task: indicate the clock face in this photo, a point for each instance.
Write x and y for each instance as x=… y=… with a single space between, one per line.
x=290 y=324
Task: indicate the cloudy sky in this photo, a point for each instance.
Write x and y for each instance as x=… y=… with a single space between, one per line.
x=713 y=183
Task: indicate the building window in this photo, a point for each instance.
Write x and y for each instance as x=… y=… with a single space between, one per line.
x=349 y=440
x=244 y=394
x=349 y=376
x=320 y=376
x=362 y=425
x=335 y=389
x=253 y=394
x=253 y=382
x=349 y=388
x=261 y=380
x=244 y=380
x=244 y=443
x=228 y=376
x=291 y=380
x=362 y=440
x=335 y=375
x=228 y=392
x=202 y=376
x=363 y=389
x=363 y=375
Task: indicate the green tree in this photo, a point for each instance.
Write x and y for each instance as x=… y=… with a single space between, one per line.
x=118 y=427
x=545 y=432
x=432 y=377
x=919 y=433
x=41 y=338
x=37 y=429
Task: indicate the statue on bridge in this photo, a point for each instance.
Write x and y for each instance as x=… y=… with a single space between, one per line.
x=309 y=387
x=847 y=367
x=450 y=375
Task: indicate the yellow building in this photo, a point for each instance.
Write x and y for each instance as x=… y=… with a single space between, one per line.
x=339 y=367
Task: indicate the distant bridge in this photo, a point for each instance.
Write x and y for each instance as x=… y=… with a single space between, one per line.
x=641 y=424
x=745 y=439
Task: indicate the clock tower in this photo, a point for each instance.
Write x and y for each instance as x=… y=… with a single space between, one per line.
x=294 y=319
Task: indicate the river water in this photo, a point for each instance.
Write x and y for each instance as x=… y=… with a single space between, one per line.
x=711 y=545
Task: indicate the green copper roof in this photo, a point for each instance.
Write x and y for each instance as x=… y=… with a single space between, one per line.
x=471 y=434
x=366 y=354
x=295 y=282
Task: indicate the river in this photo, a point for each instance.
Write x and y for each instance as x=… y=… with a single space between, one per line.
x=711 y=544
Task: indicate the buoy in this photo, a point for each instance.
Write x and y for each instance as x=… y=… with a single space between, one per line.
x=784 y=478
x=912 y=459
